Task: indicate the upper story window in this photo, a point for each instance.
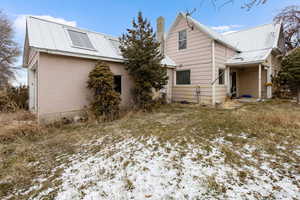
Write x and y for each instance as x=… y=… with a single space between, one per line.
x=80 y=39
x=182 y=39
x=183 y=77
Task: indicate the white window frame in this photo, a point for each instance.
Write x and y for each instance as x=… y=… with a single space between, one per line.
x=178 y=41
x=71 y=42
x=223 y=76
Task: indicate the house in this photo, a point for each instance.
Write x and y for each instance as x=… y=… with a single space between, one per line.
x=215 y=65
x=203 y=66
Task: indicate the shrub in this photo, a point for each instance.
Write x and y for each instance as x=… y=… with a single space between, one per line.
x=106 y=100
x=13 y=99
x=289 y=74
x=143 y=61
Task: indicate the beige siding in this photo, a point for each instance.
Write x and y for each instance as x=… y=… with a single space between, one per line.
x=62 y=84
x=188 y=93
x=222 y=53
x=221 y=93
x=197 y=57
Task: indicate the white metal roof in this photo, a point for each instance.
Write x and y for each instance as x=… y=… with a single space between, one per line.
x=260 y=37
x=213 y=34
x=255 y=43
x=52 y=37
x=249 y=57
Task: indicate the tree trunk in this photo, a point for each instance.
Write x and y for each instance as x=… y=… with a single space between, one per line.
x=298 y=95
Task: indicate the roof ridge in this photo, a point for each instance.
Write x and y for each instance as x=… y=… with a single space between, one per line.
x=247 y=29
x=74 y=27
x=185 y=14
x=214 y=34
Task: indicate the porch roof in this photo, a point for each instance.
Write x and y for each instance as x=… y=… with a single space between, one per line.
x=256 y=44
x=249 y=57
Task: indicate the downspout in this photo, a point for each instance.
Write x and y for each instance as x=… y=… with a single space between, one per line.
x=213 y=74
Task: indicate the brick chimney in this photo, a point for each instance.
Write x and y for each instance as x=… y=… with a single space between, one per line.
x=160 y=27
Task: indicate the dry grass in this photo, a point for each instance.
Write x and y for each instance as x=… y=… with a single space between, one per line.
x=27 y=150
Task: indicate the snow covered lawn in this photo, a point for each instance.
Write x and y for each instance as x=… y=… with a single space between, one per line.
x=146 y=168
x=180 y=152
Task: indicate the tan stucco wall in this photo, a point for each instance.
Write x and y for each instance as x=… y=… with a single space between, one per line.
x=248 y=81
x=63 y=80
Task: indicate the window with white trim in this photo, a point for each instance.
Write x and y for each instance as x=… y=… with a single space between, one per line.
x=221 y=76
x=182 y=39
x=80 y=39
x=183 y=77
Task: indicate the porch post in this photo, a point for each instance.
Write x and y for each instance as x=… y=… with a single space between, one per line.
x=269 y=80
x=259 y=81
x=227 y=79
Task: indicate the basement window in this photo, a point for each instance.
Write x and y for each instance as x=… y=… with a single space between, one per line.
x=221 y=76
x=182 y=40
x=80 y=39
x=183 y=77
x=118 y=84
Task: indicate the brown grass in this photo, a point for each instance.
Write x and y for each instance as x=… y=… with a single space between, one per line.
x=28 y=151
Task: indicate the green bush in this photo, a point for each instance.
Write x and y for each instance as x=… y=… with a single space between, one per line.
x=106 y=100
x=14 y=98
x=141 y=51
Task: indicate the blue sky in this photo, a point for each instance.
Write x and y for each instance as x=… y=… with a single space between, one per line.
x=114 y=16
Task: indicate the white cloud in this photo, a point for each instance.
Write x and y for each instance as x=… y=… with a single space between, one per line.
x=225 y=28
x=20 y=27
x=228 y=32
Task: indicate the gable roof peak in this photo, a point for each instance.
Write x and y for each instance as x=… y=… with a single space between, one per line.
x=203 y=28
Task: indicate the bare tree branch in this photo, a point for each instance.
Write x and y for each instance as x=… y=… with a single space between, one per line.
x=248 y=5
x=290 y=19
x=9 y=51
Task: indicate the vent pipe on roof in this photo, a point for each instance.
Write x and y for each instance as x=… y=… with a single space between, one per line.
x=160 y=32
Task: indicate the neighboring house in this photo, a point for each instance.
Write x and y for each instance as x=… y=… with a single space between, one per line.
x=203 y=66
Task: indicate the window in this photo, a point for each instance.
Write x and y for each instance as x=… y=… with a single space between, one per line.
x=80 y=39
x=183 y=77
x=221 y=76
x=182 y=40
x=118 y=84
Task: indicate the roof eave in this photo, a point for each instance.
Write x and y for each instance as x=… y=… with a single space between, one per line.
x=87 y=56
x=245 y=63
x=65 y=53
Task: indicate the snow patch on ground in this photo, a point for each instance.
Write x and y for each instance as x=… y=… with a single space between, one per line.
x=148 y=169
